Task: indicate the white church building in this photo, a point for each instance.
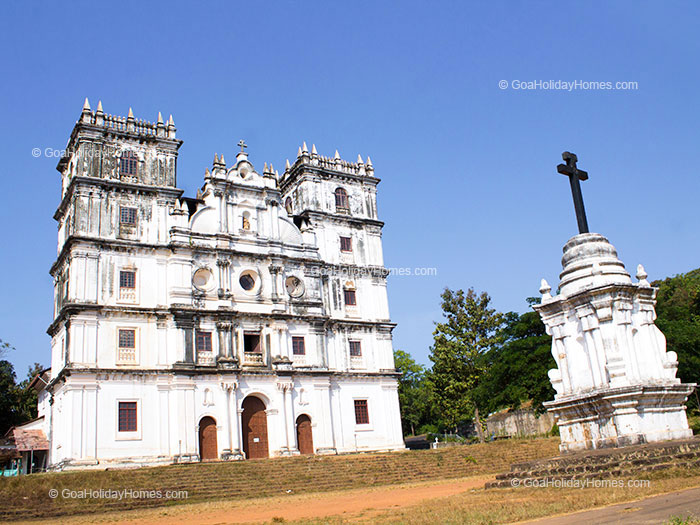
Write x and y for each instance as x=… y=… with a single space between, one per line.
x=250 y=321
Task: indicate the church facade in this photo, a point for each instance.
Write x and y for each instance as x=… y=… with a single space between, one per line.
x=249 y=321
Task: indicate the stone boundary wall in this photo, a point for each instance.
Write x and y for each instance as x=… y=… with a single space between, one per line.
x=519 y=423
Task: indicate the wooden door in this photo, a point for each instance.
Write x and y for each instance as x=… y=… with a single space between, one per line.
x=305 y=440
x=254 y=424
x=208 y=449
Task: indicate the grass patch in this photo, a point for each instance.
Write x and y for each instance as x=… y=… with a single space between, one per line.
x=683 y=520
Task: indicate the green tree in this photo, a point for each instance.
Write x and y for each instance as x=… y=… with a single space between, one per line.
x=471 y=328
x=18 y=402
x=5 y=348
x=414 y=393
x=9 y=397
x=678 y=317
x=518 y=368
x=27 y=397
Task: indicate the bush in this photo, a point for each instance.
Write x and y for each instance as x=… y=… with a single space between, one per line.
x=428 y=428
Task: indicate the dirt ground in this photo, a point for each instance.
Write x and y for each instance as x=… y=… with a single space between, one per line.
x=351 y=503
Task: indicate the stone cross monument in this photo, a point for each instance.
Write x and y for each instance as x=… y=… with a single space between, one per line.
x=615 y=382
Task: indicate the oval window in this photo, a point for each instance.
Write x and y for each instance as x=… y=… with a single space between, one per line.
x=247 y=281
x=203 y=279
x=295 y=286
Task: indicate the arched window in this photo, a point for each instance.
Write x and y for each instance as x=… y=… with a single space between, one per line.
x=128 y=164
x=341 y=201
x=288 y=206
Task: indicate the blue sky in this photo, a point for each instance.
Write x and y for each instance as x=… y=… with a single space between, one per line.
x=469 y=183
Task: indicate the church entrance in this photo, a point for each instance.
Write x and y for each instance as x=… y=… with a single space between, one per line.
x=305 y=440
x=208 y=449
x=254 y=424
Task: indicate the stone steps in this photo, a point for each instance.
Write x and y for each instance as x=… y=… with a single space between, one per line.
x=604 y=463
x=27 y=497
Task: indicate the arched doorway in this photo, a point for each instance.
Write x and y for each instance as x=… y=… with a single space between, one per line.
x=254 y=424
x=208 y=449
x=305 y=440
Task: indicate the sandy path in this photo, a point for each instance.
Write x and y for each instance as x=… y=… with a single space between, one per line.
x=294 y=507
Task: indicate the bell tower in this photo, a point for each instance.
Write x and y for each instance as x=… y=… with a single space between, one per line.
x=336 y=199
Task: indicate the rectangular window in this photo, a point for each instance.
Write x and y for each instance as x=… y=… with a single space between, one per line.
x=127 y=279
x=361 y=412
x=203 y=341
x=127 y=215
x=355 y=349
x=251 y=343
x=128 y=164
x=349 y=297
x=127 y=416
x=127 y=338
x=345 y=244
x=127 y=345
x=298 y=346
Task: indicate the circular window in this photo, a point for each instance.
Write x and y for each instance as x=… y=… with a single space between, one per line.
x=295 y=286
x=203 y=279
x=248 y=280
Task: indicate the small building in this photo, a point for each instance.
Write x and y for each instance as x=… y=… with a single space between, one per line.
x=24 y=449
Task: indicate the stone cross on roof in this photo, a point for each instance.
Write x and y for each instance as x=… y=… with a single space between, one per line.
x=242 y=144
x=575 y=175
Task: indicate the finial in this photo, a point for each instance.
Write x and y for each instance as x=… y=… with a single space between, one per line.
x=277 y=174
x=286 y=165
x=545 y=289
x=299 y=152
x=313 y=149
x=171 y=122
x=131 y=114
x=216 y=158
x=265 y=167
x=642 y=276
x=304 y=149
x=337 y=155
x=99 y=106
x=221 y=160
x=86 y=105
x=160 y=118
x=207 y=173
x=271 y=168
x=369 y=162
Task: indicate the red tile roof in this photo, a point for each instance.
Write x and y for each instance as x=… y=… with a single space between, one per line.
x=30 y=439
